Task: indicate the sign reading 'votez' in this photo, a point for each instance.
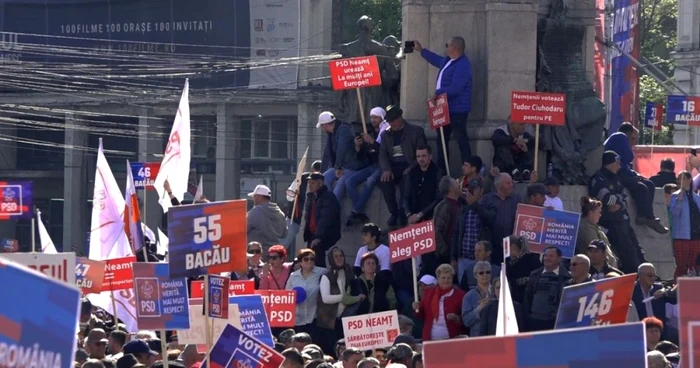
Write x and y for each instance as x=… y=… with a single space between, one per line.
x=602 y=302
x=544 y=228
x=235 y=348
x=217 y=304
x=538 y=108
x=356 y=72
x=207 y=238
x=412 y=241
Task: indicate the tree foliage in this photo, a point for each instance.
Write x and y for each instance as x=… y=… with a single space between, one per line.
x=386 y=15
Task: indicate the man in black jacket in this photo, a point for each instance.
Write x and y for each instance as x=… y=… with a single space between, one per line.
x=514 y=151
x=322 y=225
x=543 y=291
x=397 y=155
x=667 y=175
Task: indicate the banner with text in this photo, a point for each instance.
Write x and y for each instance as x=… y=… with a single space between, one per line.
x=653 y=115
x=253 y=317
x=689 y=321
x=438 y=112
x=89 y=275
x=280 y=306
x=207 y=238
x=356 y=72
x=235 y=287
x=60 y=266
x=538 y=108
x=412 y=241
x=544 y=228
x=217 y=304
x=16 y=200
x=683 y=110
x=371 y=331
x=234 y=348
x=145 y=174
x=196 y=333
x=9 y=245
x=161 y=302
x=118 y=274
x=626 y=37
x=605 y=346
x=602 y=302
x=38 y=319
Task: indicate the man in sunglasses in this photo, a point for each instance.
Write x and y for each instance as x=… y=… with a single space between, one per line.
x=96 y=344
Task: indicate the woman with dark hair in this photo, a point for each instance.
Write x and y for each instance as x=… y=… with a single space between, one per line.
x=684 y=208
x=308 y=279
x=588 y=229
x=519 y=266
x=332 y=289
x=370 y=293
x=275 y=272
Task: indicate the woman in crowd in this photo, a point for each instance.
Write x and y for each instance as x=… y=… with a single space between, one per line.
x=654 y=328
x=440 y=307
x=308 y=279
x=588 y=229
x=477 y=299
x=684 y=208
x=275 y=272
x=330 y=308
x=370 y=293
x=519 y=266
x=255 y=263
x=489 y=315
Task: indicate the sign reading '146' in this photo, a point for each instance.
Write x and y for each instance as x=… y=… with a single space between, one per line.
x=596 y=303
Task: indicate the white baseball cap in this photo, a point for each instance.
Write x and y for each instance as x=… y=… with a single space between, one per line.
x=262 y=190
x=428 y=280
x=325 y=118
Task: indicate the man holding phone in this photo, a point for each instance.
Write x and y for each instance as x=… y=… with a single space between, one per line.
x=455 y=80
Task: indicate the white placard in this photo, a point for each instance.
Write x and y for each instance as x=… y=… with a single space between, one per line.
x=371 y=331
x=59 y=266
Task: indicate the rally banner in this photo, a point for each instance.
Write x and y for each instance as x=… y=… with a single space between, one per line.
x=89 y=275
x=683 y=110
x=527 y=107
x=620 y=346
x=207 y=238
x=119 y=274
x=358 y=72
x=196 y=334
x=371 y=331
x=235 y=287
x=38 y=318
x=653 y=116
x=235 y=348
x=144 y=174
x=161 y=302
x=59 y=266
x=626 y=36
x=217 y=304
x=16 y=200
x=689 y=321
x=253 y=317
x=544 y=228
x=280 y=306
x=412 y=241
x=438 y=112
x=9 y=245
x=595 y=303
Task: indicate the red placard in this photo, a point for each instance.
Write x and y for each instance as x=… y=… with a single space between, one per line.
x=438 y=112
x=118 y=274
x=538 y=108
x=243 y=287
x=280 y=306
x=89 y=275
x=412 y=241
x=355 y=73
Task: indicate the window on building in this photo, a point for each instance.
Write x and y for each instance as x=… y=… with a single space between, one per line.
x=268 y=144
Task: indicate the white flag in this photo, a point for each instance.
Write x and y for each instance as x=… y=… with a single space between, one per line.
x=163 y=242
x=200 y=190
x=506 y=324
x=132 y=213
x=148 y=233
x=107 y=227
x=175 y=167
x=47 y=246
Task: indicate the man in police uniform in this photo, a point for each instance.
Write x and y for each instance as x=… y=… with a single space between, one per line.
x=607 y=187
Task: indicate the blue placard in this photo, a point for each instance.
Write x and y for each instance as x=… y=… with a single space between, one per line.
x=544 y=228
x=253 y=317
x=161 y=302
x=653 y=115
x=683 y=110
x=235 y=348
x=38 y=317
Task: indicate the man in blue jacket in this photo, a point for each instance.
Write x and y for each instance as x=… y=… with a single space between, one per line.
x=455 y=80
x=339 y=157
x=641 y=188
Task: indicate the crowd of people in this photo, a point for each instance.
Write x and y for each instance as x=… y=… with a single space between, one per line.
x=459 y=283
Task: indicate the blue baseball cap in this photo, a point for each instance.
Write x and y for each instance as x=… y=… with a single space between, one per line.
x=138 y=347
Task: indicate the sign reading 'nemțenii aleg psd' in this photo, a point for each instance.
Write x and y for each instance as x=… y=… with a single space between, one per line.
x=412 y=241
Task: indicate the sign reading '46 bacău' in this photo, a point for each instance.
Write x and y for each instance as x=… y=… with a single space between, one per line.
x=207 y=238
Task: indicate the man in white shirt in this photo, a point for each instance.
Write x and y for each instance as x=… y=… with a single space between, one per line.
x=370 y=237
x=551 y=199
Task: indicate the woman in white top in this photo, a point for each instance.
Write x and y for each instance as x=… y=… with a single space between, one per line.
x=308 y=278
x=370 y=237
x=330 y=308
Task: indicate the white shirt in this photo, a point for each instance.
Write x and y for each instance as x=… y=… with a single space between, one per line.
x=438 y=85
x=647 y=305
x=329 y=298
x=382 y=252
x=382 y=127
x=439 y=330
x=556 y=271
x=554 y=202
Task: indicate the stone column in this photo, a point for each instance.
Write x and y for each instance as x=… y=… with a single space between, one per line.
x=228 y=154
x=415 y=85
x=150 y=144
x=75 y=187
x=308 y=135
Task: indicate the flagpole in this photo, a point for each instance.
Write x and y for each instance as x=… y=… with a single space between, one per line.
x=501 y=298
x=34 y=234
x=207 y=327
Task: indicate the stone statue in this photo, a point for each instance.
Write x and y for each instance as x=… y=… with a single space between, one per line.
x=392 y=84
x=562 y=71
x=364 y=45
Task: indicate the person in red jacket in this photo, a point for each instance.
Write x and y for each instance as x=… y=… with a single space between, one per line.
x=441 y=307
